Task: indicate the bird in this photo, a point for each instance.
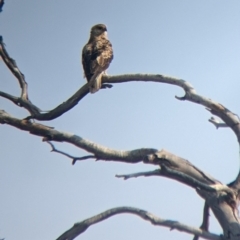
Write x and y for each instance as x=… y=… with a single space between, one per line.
x=97 y=55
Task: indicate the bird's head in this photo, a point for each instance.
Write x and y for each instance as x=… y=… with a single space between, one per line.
x=99 y=29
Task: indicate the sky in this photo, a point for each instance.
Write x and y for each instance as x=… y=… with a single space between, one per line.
x=42 y=194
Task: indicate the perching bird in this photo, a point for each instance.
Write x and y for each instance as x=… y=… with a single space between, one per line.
x=97 y=55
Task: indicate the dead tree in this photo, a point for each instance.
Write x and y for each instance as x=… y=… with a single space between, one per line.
x=222 y=199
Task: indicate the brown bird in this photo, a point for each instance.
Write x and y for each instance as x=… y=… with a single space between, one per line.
x=97 y=55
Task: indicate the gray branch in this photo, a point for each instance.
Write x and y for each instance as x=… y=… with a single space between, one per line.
x=80 y=227
x=74 y=159
x=50 y=134
x=190 y=94
x=205 y=223
x=172 y=174
x=23 y=100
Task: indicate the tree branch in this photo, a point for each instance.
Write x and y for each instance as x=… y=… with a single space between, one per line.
x=10 y=97
x=172 y=174
x=74 y=159
x=167 y=159
x=190 y=94
x=50 y=134
x=12 y=66
x=81 y=227
x=23 y=101
x=205 y=223
x=162 y=158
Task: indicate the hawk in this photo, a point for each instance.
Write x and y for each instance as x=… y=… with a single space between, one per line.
x=97 y=55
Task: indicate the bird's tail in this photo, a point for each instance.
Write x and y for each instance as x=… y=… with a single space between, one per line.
x=96 y=82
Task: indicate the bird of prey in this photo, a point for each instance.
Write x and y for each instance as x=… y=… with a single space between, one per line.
x=97 y=55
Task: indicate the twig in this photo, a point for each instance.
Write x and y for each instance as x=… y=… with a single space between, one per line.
x=74 y=159
x=80 y=227
x=139 y=174
x=217 y=123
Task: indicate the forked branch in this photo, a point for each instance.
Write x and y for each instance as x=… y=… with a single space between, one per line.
x=74 y=159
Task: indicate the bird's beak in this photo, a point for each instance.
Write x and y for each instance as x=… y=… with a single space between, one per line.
x=105 y=34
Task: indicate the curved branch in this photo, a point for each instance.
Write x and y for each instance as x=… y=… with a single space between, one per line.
x=10 y=97
x=79 y=228
x=50 y=134
x=84 y=90
x=190 y=94
x=11 y=64
x=23 y=101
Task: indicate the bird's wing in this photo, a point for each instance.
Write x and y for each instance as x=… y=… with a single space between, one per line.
x=96 y=57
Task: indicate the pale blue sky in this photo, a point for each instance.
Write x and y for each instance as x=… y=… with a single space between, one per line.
x=42 y=194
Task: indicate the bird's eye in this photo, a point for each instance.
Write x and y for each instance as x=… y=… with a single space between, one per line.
x=100 y=28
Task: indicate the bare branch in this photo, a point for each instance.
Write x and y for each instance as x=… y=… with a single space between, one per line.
x=50 y=134
x=139 y=174
x=23 y=101
x=11 y=64
x=205 y=222
x=172 y=174
x=80 y=227
x=222 y=202
x=83 y=91
x=206 y=214
x=190 y=94
x=10 y=97
x=171 y=165
x=167 y=159
x=74 y=159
